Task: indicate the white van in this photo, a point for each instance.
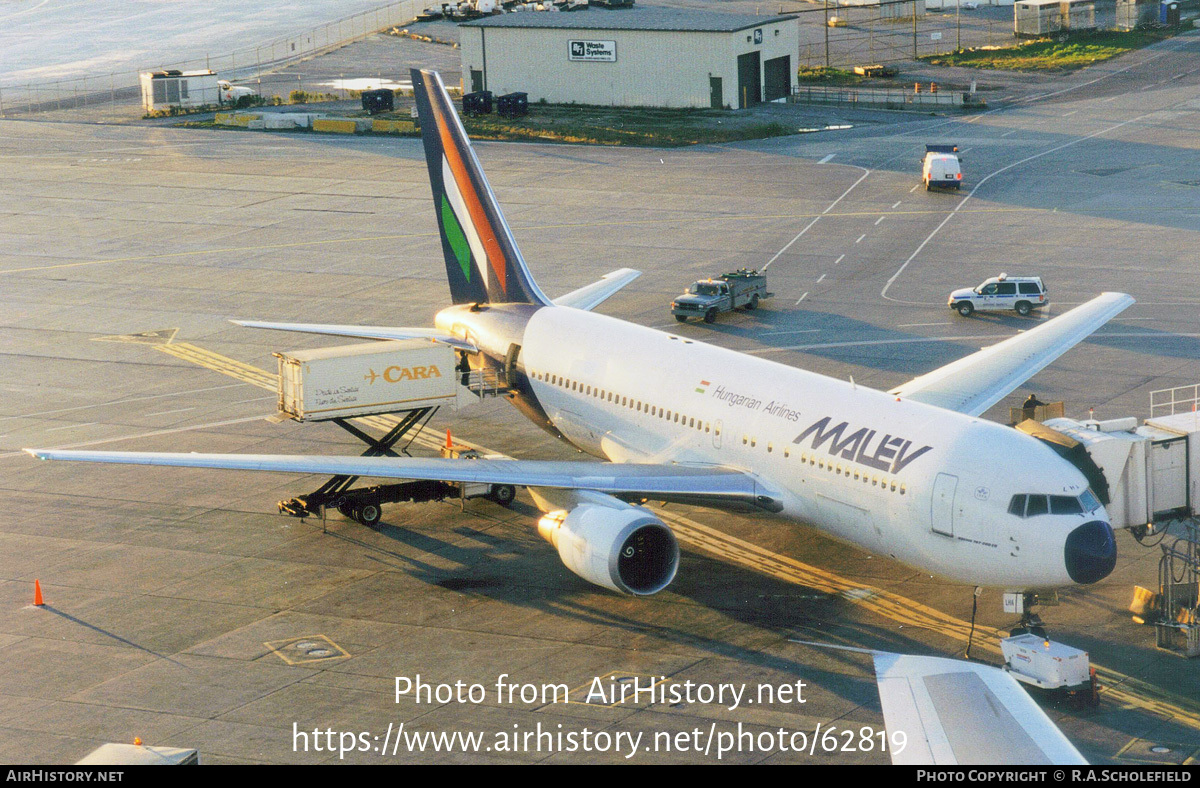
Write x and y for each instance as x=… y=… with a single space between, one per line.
x=941 y=167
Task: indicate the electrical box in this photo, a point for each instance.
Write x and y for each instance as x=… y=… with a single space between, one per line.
x=366 y=379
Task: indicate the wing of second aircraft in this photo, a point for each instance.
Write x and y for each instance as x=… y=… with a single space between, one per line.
x=975 y=383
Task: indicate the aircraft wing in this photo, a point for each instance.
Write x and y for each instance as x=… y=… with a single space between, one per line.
x=955 y=712
x=674 y=482
x=369 y=332
x=975 y=383
x=591 y=296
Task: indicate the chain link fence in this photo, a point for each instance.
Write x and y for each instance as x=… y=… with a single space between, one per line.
x=888 y=32
x=243 y=64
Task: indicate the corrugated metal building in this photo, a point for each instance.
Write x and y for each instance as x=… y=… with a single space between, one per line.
x=648 y=57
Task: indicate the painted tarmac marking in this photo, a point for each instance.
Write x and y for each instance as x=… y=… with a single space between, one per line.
x=788 y=245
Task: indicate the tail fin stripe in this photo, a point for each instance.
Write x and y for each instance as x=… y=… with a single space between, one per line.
x=458 y=241
x=461 y=182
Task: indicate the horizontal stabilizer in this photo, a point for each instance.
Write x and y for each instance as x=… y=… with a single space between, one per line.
x=369 y=332
x=975 y=383
x=591 y=296
x=674 y=481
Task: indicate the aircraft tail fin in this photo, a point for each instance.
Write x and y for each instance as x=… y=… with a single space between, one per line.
x=483 y=263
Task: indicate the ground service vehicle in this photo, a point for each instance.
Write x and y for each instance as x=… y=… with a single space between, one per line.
x=709 y=297
x=941 y=167
x=1022 y=294
x=230 y=94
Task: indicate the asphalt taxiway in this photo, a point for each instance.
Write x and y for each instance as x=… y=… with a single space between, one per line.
x=183 y=609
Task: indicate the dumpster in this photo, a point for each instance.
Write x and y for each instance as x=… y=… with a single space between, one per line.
x=375 y=101
x=513 y=105
x=477 y=103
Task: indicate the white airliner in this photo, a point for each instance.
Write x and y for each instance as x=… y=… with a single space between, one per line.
x=913 y=473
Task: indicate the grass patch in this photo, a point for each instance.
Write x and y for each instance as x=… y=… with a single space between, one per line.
x=642 y=126
x=1045 y=54
x=822 y=75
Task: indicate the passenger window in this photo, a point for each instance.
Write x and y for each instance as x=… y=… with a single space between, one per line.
x=1007 y=288
x=1028 y=288
x=988 y=289
x=1036 y=506
x=1017 y=505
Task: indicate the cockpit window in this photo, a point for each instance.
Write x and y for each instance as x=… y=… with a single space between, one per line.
x=1027 y=506
x=1089 y=501
x=1065 y=504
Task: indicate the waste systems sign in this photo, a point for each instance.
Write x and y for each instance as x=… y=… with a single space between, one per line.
x=592 y=51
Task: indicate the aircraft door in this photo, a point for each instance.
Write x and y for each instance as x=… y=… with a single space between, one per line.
x=942 y=507
x=717 y=434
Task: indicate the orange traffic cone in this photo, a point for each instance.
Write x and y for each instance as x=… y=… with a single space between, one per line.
x=37 y=594
x=449 y=442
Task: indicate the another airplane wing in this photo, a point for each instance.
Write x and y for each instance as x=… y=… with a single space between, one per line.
x=370 y=332
x=660 y=482
x=591 y=296
x=955 y=712
x=975 y=383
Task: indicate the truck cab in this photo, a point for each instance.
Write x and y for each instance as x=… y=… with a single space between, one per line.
x=941 y=167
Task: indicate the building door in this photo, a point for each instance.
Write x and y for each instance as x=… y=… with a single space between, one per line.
x=476 y=80
x=942 y=509
x=749 y=80
x=777 y=77
x=716 y=93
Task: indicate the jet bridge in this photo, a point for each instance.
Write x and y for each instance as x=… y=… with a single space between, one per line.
x=1148 y=477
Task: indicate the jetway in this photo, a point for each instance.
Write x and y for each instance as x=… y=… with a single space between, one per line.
x=1152 y=471
x=1148 y=477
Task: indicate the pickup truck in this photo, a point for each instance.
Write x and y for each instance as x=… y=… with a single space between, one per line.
x=709 y=297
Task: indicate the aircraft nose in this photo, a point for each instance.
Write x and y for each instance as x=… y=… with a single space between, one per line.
x=1090 y=552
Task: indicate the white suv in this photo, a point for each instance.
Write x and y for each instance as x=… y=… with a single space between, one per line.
x=1022 y=294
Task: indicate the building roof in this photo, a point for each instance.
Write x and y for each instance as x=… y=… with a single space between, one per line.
x=669 y=19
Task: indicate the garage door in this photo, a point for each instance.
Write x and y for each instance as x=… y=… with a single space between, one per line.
x=777 y=74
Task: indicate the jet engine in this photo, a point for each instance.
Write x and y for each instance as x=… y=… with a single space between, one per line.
x=625 y=549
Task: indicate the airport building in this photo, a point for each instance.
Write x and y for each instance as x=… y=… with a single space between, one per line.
x=646 y=57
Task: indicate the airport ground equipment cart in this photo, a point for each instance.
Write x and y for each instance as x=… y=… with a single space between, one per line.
x=709 y=297
x=397 y=385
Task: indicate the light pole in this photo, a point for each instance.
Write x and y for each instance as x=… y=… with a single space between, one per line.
x=958 y=25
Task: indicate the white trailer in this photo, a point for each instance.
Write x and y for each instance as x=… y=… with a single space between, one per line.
x=368 y=379
x=165 y=89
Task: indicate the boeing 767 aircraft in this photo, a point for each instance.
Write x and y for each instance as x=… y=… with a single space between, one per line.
x=913 y=473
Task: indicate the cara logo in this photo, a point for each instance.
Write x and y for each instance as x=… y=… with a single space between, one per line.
x=397 y=374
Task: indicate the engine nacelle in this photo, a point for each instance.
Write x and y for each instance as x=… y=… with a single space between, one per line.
x=626 y=549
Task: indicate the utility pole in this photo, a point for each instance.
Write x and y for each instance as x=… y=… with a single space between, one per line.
x=958 y=25
x=914 y=29
x=826 y=33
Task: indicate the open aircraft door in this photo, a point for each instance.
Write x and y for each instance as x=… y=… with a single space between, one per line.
x=942 y=507
x=717 y=434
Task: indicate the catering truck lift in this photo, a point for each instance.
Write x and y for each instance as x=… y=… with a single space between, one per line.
x=397 y=386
